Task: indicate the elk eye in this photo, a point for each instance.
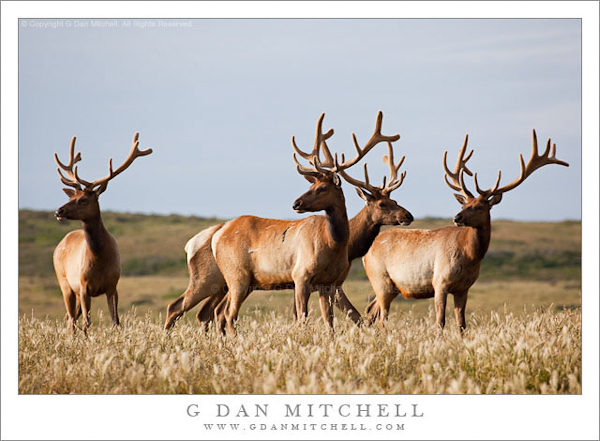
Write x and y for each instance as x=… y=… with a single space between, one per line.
x=84 y=200
x=382 y=205
x=478 y=208
x=321 y=189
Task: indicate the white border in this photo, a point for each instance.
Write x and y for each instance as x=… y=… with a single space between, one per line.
x=164 y=417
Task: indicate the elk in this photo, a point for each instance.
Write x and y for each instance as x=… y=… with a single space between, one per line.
x=433 y=263
x=379 y=210
x=305 y=255
x=206 y=279
x=86 y=261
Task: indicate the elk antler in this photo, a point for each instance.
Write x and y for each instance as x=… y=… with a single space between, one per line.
x=73 y=159
x=535 y=161
x=102 y=183
x=458 y=182
x=135 y=152
x=313 y=156
x=330 y=163
x=383 y=189
x=375 y=139
x=395 y=182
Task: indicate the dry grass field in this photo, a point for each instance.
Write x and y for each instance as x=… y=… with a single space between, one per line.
x=537 y=352
x=523 y=318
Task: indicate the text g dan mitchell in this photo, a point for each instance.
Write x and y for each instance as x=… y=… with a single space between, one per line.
x=322 y=410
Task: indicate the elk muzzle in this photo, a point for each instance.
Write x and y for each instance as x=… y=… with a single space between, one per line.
x=298 y=206
x=60 y=214
x=459 y=220
x=407 y=219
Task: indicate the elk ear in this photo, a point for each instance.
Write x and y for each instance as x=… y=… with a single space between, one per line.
x=462 y=200
x=336 y=180
x=495 y=199
x=310 y=178
x=363 y=194
x=69 y=192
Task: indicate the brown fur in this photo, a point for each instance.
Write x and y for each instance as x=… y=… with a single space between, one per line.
x=252 y=252
x=86 y=261
x=311 y=254
x=429 y=263
x=364 y=227
x=433 y=263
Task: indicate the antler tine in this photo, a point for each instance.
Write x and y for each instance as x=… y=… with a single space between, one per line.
x=320 y=139
x=328 y=162
x=375 y=139
x=304 y=170
x=362 y=184
x=458 y=183
x=535 y=161
x=394 y=182
x=72 y=180
x=461 y=161
x=134 y=153
x=491 y=191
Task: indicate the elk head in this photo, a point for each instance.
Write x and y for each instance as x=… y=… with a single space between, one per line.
x=83 y=204
x=382 y=210
x=476 y=210
x=83 y=196
x=326 y=188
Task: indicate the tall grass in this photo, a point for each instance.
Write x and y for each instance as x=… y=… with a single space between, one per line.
x=532 y=353
x=504 y=351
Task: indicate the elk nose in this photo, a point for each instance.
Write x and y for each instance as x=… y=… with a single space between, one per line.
x=59 y=212
x=409 y=217
x=297 y=204
x=458 y=218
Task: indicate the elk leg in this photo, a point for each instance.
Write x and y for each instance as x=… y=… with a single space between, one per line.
x=344 y=305
x=221 y=311
x=301 y=296
x=70 y=299
x=205 y=281
x=326 y=302
x=385 y=292
x=207 y=312
x=77 y=310
x=440 y=297
x=237 y=296
x=112 y=299
x=211 y=312
x=460 y=303
x=193 y=295
x=86 y=302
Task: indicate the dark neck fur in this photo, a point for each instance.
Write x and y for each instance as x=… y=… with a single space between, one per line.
x=362 y=234
x=95 y=234
x=337 y=224
x=480 y=239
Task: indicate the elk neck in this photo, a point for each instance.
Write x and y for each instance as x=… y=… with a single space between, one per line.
x=96 y=235
x=363 y=232
x=478 y=239
x=337 y=223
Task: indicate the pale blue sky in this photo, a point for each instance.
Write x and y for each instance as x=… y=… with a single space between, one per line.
x=218 y=101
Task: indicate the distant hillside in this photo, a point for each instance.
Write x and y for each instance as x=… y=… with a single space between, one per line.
x=153 y=245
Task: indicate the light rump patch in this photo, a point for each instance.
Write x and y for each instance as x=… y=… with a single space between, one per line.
x=200 y=240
